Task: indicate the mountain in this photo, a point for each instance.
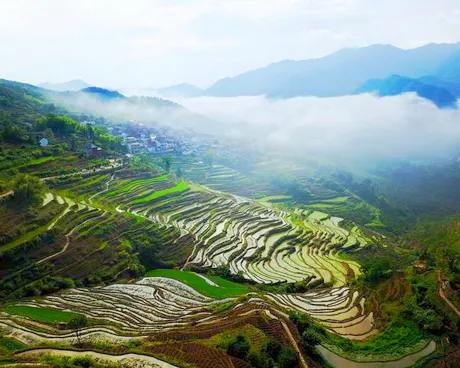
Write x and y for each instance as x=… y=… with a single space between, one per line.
x=73 y=85
x=102 y=93
x=180 y=90
x=450 y=69
x=396 y=85
x=340 y=73
x=117 y=107
x=435 y=81
x=22 y=104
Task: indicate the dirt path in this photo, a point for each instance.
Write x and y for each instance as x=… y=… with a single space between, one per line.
x=131 y=358
x=443 y=296
x=67 y=241
x=86 y=172
x=303 y=362
x=90 y=199
x=189 y=258
x=3 y=195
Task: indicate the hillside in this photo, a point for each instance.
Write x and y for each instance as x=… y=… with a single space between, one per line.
x=340 y=73
x=72 y=85
x=450 y=69
x=147 y=110
x=208 y=259
x=396 y=85
x=453 y=88
x=180 y=90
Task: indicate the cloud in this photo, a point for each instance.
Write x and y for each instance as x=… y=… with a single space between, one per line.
x=348 y=130
x=152 y=43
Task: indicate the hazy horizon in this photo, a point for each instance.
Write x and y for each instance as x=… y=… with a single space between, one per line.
x=152 y=44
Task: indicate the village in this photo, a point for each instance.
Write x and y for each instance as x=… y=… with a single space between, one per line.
x=141 y=139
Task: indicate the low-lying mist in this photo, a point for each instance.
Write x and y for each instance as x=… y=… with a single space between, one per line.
x=362 y=129
x=352 y=130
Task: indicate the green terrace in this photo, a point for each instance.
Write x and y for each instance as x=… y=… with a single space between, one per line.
x=211 y=286
x=43 y=315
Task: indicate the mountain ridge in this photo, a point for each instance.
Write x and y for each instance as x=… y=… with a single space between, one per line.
x=336 y=74
x=71 y=85
x=396 y=85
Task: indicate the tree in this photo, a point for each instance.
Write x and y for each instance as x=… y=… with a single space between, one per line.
x=90 y=132
x=48 y=133
x=311 y=338
x=28 y=189
x=78 y=323
x=239 y=348
x=167 y=164
x=60 y=125
x=287 y=359
x=209 y=157
x=377 y=269
x=272 y=348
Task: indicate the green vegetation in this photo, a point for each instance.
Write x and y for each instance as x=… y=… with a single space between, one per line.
x=132 y=184
x=28 y=190
x=77 y=323
x=278 y=198
x=225 y=288
x=45 y=315
x=107 y=243
x=398 y=339
x=271 y=355
x=180 y=187
x=82 y=361
x=9 y=345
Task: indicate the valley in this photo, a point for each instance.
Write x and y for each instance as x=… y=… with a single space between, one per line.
x=201 y=229
x=125 y=244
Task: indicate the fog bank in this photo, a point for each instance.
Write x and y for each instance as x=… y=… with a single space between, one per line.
x=362 y=128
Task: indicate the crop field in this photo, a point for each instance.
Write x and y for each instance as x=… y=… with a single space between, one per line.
x=263 y=244
x=212 y=286
x=197 y=228
x=258 y=242
x=221 y=178
x=46 y=315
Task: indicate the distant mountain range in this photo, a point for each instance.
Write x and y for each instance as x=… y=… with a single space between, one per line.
x=434 y=70
x=342 y=72
x=73 y=85
x=437 y=92
x=180 y=90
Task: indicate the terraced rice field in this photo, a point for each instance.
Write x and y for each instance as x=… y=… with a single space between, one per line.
x=264 y=245
x=222 y=178
x=340 y=310
x=207 y=228
x=212 y=286
x=151 y=304
x=261 y=243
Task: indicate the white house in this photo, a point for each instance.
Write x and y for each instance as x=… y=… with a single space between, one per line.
x=44 y=142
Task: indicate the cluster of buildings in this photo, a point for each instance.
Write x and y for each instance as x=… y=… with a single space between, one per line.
x=141 y=139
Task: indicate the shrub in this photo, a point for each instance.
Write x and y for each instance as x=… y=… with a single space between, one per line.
x=239 y=348
x=272 y=348
x=84 y=362
x=28 y=189
x=287 y=359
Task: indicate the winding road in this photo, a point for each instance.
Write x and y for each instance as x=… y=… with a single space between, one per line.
x=67 y=236
x=441 y=285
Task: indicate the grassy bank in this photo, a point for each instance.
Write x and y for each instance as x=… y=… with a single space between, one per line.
x=225 y=288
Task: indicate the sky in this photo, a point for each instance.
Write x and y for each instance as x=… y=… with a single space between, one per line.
x=154 y=43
